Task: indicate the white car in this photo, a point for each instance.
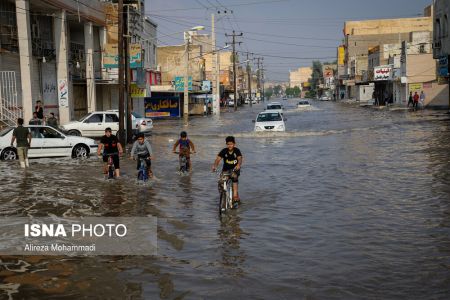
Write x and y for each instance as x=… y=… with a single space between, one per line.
x=231 y=102
x=324 y=98
x=269 y=121
x=95 y=123
x=47 y=142
x=274 y=107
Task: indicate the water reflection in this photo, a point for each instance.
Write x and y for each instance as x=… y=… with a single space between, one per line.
x=230 y=235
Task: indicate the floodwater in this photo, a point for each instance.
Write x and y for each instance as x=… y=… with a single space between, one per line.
x=349 y=203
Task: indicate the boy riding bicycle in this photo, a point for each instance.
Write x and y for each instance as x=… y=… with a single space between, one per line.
x=186 y=145
x=111 y=147
x=232 y=161
x=142 y=149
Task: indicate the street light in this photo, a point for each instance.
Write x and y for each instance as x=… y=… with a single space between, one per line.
x=186 y=74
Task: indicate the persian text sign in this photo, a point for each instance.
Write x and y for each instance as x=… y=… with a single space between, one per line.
x=156 y=107
x=382 y=73
x=111 y=56
x=138 y=92
x=135 y=56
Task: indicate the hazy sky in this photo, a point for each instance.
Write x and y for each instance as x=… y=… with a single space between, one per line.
x=288 y=33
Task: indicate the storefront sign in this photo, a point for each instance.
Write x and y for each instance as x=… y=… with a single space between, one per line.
x=111 y=56
x=443 y=66
x=135 y=56
x=137 y=92
x=382 y=73
x=160 y=107
x=415 y=87
x=341 y=56
x=206 y=85
x=63 y=93
x=179 y=83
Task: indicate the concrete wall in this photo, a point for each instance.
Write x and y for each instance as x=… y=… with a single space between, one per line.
x=388 y=26
x=420 y=68
x=297 y=77
x=441 y=26
x=171 y=59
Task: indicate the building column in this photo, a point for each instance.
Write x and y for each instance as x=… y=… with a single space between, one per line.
x=90 y=74
x=103 y=41
x=62 y=65
x=25 y=51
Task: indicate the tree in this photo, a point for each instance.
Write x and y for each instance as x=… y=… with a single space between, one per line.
x=317 y=74
x=277 y=90
x=296 y=91
x=268 y=92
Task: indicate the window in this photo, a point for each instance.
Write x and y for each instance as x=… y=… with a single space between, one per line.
x=422 y=48
x=36 y=133
x=269 y=117
x=50 y=133
x=445 y=27
x=95 y=118
x=111 y=118
x=438 y=28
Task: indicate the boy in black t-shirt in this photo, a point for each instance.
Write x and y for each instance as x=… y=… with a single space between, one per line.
x=232 y=160
x=111 y=146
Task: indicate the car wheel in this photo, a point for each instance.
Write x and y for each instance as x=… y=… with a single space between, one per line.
x=80 y=151
x=9 y=154
x=74 y=132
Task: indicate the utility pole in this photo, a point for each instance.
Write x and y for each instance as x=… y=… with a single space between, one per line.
x=129 y=131
x=234 y=35
x=249 y=85
x=121 y=134
x=216 y=84
x=258 y=74
x=262 y=80
x=186 y=77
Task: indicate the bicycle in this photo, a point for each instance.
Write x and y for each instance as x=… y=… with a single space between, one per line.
x=111 y=169
x=184 y=162
x=226 y=191
x=143 y=170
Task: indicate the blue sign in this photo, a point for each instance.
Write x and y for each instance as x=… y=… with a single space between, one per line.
x=443 y=66
x=179 y=83
x=162 y=107
x=206 y=85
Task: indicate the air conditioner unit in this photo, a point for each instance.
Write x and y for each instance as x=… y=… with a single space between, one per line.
x=437 y=45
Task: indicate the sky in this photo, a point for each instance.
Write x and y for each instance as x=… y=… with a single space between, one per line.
x=288 y=33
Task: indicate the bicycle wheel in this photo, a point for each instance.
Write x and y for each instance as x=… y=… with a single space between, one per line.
x=222 y=202
x=229 y=194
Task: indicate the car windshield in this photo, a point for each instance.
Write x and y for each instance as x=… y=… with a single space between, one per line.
x=136 y=115
x=5 y=131
x=269 y=117
x=303 y=102
x=273 y=106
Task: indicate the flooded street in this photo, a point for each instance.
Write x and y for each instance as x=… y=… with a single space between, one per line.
x=348 y=203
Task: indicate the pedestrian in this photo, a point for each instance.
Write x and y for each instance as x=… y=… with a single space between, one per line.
x=39 y=110
x=422 y=99
x=209 y=107
x=22 y=136
x=416 y=100
x=35 y=120
x=410 y=99
x=52 y=121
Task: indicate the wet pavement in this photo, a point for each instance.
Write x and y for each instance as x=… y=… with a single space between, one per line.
x=349 y=203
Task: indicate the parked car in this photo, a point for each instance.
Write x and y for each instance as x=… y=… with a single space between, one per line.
x=94 y=124
x=231 y=102
x=285 y=98
x=46 y=141
x=269 y=121
x=325 y=98
x=274 y=107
